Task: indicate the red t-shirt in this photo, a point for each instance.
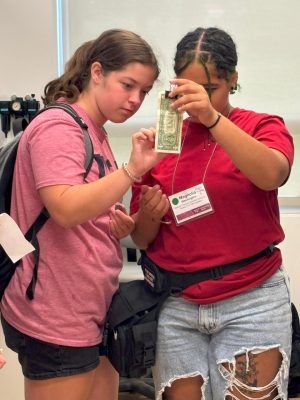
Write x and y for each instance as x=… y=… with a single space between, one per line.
x=245 y=218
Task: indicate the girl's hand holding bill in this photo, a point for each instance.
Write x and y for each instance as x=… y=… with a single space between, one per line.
x=143 y=155
x=194 y=99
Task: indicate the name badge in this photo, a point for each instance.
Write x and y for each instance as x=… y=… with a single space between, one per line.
x=190 y=204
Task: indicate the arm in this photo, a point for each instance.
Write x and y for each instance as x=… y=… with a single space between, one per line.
x=72 y=205
x=265 y=167
x=153 y=206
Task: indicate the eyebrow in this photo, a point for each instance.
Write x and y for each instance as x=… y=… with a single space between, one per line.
x=131 y=79
x=137 y=83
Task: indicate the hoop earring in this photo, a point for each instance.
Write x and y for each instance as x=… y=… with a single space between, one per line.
x=233 y=89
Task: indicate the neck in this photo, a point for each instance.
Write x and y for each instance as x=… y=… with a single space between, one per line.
x=91 y=108
x=227 y=110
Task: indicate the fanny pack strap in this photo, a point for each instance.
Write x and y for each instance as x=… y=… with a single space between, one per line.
x=175 y=282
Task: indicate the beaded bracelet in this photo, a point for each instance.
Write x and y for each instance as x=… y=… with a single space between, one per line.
x=216 y=121
x=130 y=175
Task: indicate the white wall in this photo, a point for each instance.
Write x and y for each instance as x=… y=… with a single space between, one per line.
x=28 y=47
x=27 y=62
x=266 y=33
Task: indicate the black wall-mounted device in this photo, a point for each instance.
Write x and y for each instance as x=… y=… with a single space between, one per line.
x=17 y=107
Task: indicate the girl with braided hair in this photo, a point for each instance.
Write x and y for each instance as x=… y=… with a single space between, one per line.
x=228 y=336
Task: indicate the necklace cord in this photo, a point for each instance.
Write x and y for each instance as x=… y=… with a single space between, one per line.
x=209 y=161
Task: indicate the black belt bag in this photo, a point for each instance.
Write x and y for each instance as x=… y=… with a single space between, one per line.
x=160 y=280
x=131 y=324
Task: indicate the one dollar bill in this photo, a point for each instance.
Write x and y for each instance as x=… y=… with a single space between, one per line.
x=168 y=126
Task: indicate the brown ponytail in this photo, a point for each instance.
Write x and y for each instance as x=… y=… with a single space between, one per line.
x=114 y=49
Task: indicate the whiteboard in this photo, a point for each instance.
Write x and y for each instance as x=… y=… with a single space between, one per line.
x=266 y=32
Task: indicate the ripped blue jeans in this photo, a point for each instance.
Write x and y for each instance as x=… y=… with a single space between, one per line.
x=197 y=340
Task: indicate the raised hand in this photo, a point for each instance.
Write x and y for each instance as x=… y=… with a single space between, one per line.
x=143 y=156
x=193 y=99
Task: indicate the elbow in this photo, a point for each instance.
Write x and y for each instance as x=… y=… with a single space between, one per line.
x=64 y=220
x=273 y=181
x=276 y=173
x=271 y=172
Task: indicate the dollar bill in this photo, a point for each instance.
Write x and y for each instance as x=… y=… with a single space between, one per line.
x=168 y=126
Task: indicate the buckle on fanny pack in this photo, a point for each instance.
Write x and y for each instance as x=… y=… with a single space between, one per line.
x=154 y=277
x=175 y=291
x=149 y=276
x=216 y=273
x=269 y=250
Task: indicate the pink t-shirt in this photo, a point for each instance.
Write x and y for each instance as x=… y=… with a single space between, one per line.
x=245 y=218
x=78 y=267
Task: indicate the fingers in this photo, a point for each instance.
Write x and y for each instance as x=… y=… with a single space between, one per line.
x=121 y=207
x=143 y=156
x=150 y=196
x=145 y=134
x=192 y=98
x=189 y=102
x=145 y=188
x=153 y=202
x=179 y=82
x=187 y=92
x=120 y=224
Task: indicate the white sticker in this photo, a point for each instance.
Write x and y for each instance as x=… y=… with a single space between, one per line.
x=12 y=239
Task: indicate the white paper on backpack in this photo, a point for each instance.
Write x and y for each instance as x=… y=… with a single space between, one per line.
x=12 y=239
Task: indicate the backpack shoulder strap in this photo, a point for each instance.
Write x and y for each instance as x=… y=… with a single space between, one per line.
x=31 y=234
x=89 y=149
x=19 y=125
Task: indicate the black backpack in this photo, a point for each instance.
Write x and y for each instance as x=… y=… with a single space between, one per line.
x=8 y=153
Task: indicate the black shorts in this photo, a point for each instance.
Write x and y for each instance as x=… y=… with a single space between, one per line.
x=43 y=360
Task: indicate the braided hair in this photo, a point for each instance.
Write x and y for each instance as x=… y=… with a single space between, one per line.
x=207 y=45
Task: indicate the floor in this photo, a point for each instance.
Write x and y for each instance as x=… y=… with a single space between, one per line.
x=133 y=396
x=136 y=389
x=128 y=396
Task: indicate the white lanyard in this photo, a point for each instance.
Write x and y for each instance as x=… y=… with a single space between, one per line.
x=177 y=161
